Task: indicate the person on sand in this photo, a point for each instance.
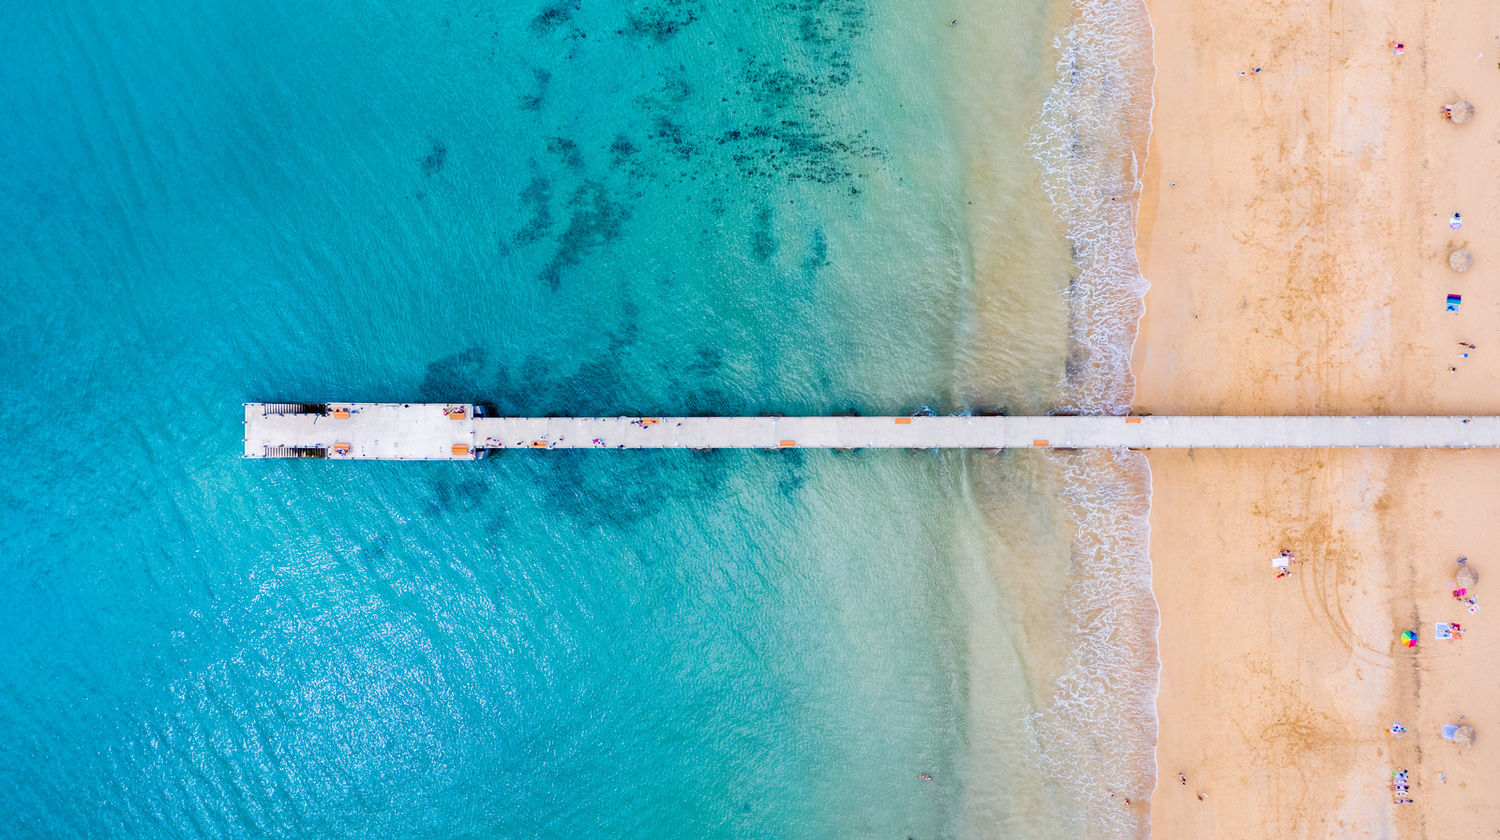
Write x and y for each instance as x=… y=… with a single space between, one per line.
x=1282 y=565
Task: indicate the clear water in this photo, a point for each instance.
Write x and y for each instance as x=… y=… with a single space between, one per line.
x=565 y=207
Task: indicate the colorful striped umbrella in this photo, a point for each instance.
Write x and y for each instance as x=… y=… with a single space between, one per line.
x=1409 y=638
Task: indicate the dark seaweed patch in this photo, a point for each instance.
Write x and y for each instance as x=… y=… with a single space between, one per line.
x=817 y=251
x=625 y=160
x=790 y=138
x=700 y=400
x=433 y=163
x=621 y=148
x=674 y=138
x=457 y=496
x=791 y=472
x=514 y=396
x=800 y=151
x=533 y=101
x=595 y=220
x=706 y=364
x=554 y=14
x=624 y=493
x=661 y=20
x=538 y=197
x=536 y=388
x=676 y=89
x=566 y=150
x=456 y=378
x=599 y=385
x=628 y=329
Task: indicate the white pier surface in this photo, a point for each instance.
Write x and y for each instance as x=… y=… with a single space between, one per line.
x=418 y=431
x=360 y=431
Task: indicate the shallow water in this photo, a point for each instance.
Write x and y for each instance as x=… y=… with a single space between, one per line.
x=554 y=207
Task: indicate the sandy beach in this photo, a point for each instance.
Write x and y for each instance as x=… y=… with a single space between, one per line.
x=1295 y=228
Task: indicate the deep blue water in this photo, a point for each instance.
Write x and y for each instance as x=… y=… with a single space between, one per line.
x=569 y=207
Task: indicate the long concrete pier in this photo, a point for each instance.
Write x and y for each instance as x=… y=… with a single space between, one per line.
x=453 y=432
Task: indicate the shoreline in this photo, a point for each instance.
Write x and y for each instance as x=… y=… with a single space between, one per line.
x=1292 y=223
x=1054 y=303
x=1097 y=113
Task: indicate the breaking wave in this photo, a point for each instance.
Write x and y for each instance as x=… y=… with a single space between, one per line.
x=1100 y=725
x=1090 y=141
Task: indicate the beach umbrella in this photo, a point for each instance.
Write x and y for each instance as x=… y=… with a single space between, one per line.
x=1467 y=577
x=1409 y=638
x=1464 y=737
x=1460 y=111
x=1460 y=260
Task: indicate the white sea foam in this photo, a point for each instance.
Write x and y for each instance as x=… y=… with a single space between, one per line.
x=1098 y=731
x=1095 y=119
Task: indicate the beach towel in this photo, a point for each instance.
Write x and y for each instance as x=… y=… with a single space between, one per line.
x=1450 y=730
x=1454 y=301
x=1443 y=630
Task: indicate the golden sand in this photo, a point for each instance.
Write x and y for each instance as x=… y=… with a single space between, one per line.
x=1294 y=227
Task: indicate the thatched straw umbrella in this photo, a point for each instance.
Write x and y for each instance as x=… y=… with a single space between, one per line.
x=1467 y=577
x=1459 y=112
x=1464 y=737
x=1460 y=260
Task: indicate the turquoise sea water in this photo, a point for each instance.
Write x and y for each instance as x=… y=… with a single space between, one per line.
x=564 y=207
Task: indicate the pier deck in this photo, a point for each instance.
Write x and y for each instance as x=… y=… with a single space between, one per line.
x=360 y=431
x=417 y=431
